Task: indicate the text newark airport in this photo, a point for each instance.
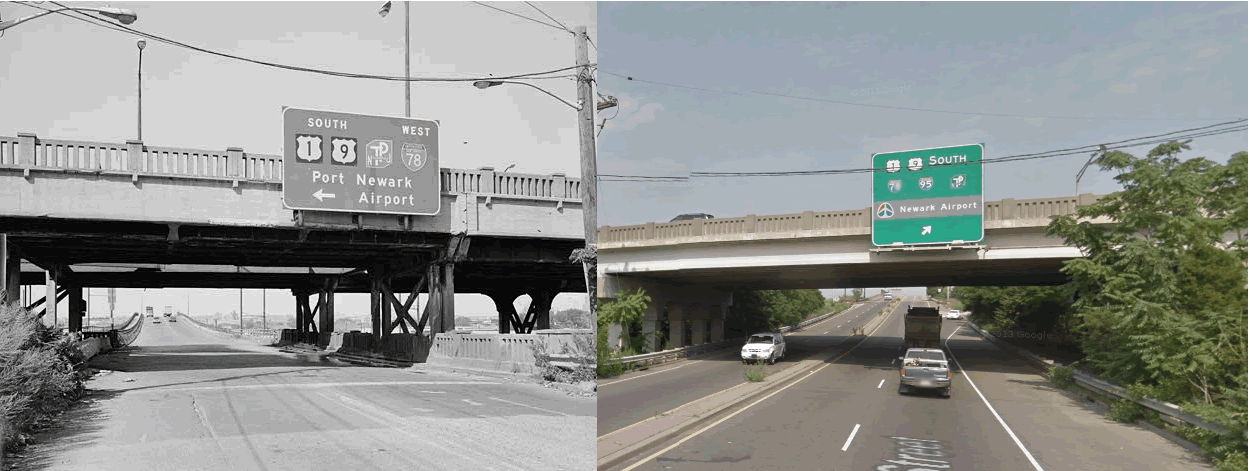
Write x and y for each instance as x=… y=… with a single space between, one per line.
x=384 y=181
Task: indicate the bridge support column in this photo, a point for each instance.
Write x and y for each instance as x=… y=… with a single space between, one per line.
x=676 y=326
x=698 y=324
x=616 y=335
x=304 y=313
x=718 y=322
x=651 y=324
x=77 y=308
x=10 y=271
x=447 y=291
x=50 y=299
x=507 y=314
x=325 y=303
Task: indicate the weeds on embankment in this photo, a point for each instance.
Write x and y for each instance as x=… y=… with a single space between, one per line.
x=39 y=375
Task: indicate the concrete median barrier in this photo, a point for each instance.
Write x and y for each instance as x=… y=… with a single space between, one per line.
x=506 y=353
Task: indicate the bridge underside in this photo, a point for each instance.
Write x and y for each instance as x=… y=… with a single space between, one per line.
x=1011 y=272
x=310 y=261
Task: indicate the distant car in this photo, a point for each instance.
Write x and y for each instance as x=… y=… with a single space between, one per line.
x=889 y=297
x=173 y=318
x=953 y=314
x=156 y=320
x=768 y=346
x=692 y=216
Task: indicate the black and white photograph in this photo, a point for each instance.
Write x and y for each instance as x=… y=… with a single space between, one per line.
x=297 y=235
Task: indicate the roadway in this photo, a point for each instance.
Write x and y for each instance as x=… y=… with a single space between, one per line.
x=635 y=396
x=848 y=414
x=188 y=398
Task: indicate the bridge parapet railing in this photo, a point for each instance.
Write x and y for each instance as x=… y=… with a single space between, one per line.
x=858 y=219
x=28 y=151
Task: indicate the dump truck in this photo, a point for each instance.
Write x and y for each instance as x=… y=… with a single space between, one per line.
x=922 y=327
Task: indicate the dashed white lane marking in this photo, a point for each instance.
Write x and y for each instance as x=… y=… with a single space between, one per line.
x=529 y=406
x=472 y=403
x=881 y=383
x=852 y=437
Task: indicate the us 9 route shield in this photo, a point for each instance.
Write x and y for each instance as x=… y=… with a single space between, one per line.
x=359 y=163
x=929 y=196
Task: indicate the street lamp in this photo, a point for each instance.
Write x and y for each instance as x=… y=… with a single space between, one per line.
x=586 y=127
x=122 y=15
x=484 y=84
x=386 y=9
x=139 y=81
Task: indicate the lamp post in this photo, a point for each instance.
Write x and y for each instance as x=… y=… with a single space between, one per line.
x=122 y=15
x=386 y=9
x=586 y=128
x=139 y=85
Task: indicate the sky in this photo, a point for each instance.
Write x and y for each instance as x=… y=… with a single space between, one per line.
x=75 y=80
x=1184 y=64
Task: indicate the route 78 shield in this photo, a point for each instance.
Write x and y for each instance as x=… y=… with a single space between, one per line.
x=414 y=155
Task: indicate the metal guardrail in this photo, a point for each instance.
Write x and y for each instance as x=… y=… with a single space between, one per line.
x=648 y=359
x=1103 y=387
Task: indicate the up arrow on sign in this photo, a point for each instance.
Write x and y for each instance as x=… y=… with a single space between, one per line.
x=321 y=195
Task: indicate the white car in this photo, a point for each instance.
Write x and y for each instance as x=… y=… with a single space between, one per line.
x=764 y=346
x=953 y=314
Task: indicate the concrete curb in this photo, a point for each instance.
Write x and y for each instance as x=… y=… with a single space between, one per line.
x=617 y=447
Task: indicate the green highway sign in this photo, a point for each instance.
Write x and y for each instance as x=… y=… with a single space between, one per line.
x=928 y=196
x=334 y=161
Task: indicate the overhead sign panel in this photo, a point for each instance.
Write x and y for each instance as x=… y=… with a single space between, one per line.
x=928 y=196
x=358 y=163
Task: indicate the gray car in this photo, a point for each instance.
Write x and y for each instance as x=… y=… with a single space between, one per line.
x=925 y=368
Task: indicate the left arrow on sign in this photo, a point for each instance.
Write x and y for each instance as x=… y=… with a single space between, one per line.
x=321 y=195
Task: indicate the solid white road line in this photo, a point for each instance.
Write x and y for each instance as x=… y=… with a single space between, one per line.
x=852 y=437
x=1028 y=455
x=881 y=383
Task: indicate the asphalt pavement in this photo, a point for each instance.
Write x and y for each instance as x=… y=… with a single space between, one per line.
x=636 y=396
x=187 y=398
x=848 y=414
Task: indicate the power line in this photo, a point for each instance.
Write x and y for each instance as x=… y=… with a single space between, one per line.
x=522 y=16
x=1205 y=131
x=126 y=29
x=1187 y=134
x=969 y=113
x=566 y=28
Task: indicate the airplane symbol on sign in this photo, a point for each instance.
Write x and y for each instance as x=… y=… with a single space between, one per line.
x=926 y=230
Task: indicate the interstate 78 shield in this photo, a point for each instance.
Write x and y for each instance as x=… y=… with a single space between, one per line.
x=334 y=161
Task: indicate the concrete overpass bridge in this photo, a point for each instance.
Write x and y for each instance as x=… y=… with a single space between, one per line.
x=689 y=268
x=76 y=214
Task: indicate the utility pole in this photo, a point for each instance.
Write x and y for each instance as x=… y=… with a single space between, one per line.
x=407 y=63
x=590 y=180
x=264 y=293
x=240 y=311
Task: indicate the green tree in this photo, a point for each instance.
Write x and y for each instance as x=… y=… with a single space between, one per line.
x=790 y=307
x=625 y=310
x=858 y=293
x=464 y=322
x=1161 y=293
